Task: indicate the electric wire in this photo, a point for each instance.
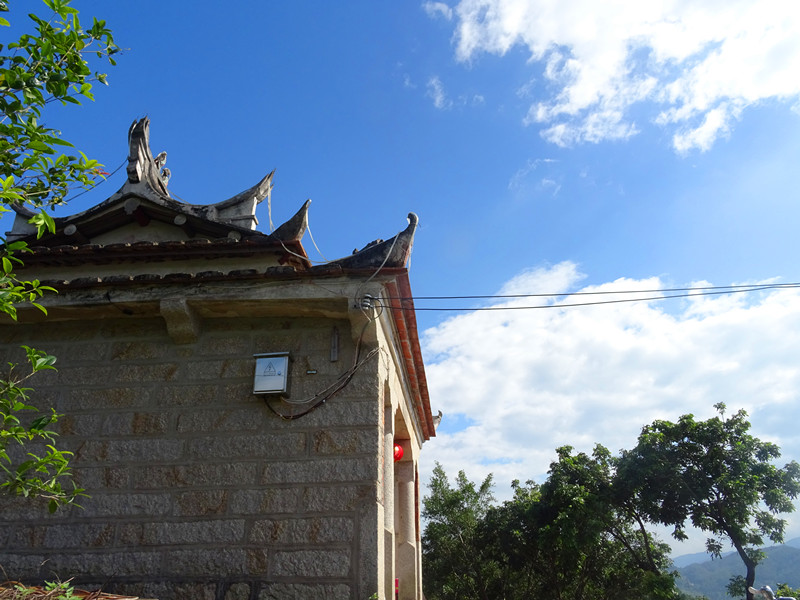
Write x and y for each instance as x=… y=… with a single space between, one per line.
x=691 y=291
x=600 y=302
x=321 y=397
x=387 y=301
x=106 y=178
x=663 y=293
x=269 y=206
x=313 y=241
x=732 y=288
x=313 y=262
x=378 y=270
x=174 y=195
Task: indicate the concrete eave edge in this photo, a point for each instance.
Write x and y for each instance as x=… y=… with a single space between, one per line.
x=402 y=307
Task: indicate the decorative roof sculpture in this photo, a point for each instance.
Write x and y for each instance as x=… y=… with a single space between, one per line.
x=143 y=211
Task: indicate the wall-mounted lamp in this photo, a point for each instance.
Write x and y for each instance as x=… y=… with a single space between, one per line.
x=398 y=452
x=272 y=374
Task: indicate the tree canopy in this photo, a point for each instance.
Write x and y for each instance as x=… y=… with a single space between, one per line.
x=585 y=531
x=715 y=475
x=51 y=64
x=562 y=540
x=457 y=563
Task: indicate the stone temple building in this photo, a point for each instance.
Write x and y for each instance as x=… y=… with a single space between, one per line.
x=233 y=409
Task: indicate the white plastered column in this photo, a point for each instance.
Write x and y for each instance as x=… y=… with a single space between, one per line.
x=405 y=510
x=388 y=501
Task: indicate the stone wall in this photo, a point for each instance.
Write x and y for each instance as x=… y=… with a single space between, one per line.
x=195 y=488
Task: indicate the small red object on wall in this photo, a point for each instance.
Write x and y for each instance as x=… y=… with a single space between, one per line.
x=398 y=452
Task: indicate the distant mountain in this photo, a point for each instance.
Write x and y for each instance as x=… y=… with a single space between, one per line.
x=709 y=578
x=684 y=560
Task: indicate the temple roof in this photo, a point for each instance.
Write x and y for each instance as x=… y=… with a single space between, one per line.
x=143 y=213
x=143 y=237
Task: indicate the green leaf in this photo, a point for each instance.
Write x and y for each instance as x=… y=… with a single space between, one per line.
x=55 y=63
x=40 y=147
x=39 y=306
x=43 y=223
x=17 y=246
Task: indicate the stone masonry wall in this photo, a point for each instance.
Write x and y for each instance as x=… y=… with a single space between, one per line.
x=196 y=489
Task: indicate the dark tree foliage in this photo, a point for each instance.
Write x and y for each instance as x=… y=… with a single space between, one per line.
x=564 y=540
x=583 y=533
x=510 y=534
x=594 y=543
x=456 y=564
x=716 y=476
x=786 y=591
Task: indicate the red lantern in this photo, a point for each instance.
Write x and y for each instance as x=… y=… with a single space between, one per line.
x=398 y=452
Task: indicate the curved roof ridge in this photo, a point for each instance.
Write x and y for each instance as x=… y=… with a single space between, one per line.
x=378 y=254
x=144 y=198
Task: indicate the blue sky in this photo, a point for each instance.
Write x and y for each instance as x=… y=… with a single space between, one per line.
x=547 y=146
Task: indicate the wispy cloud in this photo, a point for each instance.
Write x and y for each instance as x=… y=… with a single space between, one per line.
x=438 y=9
x=551 y=185
x=521 y=179
x=700 y=62
x=528 y=381
x=435 y=91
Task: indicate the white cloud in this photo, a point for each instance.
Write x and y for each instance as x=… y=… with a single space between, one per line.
x=528 y=381
x=521 y=180
x=435 y=91
x=438 y=9
x=715 y=123
x=700 y=61
x=551 y=185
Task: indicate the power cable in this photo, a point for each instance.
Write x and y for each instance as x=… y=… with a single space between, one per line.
x=387 y=301
x=106 y=178
x=309 y=405
x=599 y=302
x=731 y=288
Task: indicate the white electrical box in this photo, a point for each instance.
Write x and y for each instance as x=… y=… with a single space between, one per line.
x=272 y=374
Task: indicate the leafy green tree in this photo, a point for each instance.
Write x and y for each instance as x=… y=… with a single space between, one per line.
x=601 y=544
x=509 y=532
x=49 y=65
x=785 y=590
x=455 y=562
x=565 y=539
x=39 y=473
x=582 y=534
x=715 y=475
x=571 y=538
